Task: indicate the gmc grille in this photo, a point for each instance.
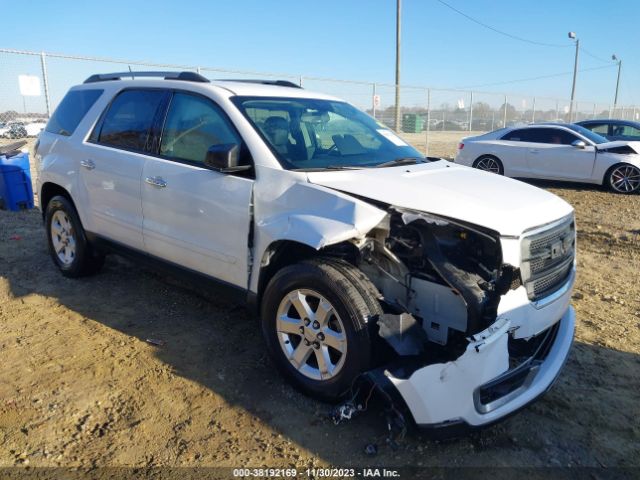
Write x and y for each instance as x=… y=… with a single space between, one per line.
x=547 y=258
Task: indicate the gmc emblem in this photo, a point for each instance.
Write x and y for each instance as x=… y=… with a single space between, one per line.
x=557 y=249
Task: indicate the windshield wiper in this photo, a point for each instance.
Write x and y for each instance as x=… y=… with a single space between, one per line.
x=328 y=167
x=392 y=163
x=345 y=167
x=399 y=161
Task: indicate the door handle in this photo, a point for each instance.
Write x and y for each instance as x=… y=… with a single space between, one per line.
x=156 y=182
x=88 y=164
x=533 y=151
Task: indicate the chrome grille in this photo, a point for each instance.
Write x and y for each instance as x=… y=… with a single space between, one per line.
x=547 y=257
x=545 y=285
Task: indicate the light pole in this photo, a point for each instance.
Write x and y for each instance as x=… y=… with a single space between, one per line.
x=615 y=99
x=572 y=35
x=397 y=112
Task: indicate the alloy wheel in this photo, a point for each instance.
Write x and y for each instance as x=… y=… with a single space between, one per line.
x=488 y=164
x=63 y=237
x=311 y=334
x=625 y=179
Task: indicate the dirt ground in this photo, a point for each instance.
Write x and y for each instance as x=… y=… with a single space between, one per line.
x=80 y=385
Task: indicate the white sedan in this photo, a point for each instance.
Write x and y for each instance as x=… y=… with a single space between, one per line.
x=34 y=128
x=557 y=152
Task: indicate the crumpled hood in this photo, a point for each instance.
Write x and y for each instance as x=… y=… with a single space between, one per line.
x=502 y=204
x=619 y=143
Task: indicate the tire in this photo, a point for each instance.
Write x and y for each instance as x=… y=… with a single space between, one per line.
x=623 y=178
x=367 y=290
x=489 y=163
x=346 y=348
x=67 y=241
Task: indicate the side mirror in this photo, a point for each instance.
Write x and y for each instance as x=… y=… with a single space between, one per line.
x=579 y=144
x=224 y=158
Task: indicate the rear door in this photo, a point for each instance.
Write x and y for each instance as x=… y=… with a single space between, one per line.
x=193 y=216
x=112 y=162
x=550 y=154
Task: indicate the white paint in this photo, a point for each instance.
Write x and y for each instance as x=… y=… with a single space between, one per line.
x=452 y=191
x=200 y=220
x=444 y=392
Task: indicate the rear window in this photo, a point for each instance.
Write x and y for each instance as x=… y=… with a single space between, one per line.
x=71 y=111
x=515 y=136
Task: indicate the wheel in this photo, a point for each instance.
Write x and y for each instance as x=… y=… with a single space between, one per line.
x=489 y=163
x=67 y=242
x=314 y=319
x=623 y=178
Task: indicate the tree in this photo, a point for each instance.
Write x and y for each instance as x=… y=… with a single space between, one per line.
x=482 y=109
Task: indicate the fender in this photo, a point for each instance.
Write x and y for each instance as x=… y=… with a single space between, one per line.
x=323 y=217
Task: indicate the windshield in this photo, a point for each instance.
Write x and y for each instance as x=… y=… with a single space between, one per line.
x=311 y=134
x=594 y=137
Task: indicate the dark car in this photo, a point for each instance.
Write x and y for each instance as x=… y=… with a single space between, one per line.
x=16 y=130
x=626 y=130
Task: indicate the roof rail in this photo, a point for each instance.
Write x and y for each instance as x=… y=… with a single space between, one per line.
x=186 y=76
x=277 y=83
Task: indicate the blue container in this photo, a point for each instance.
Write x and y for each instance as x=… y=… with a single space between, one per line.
x=16 y=192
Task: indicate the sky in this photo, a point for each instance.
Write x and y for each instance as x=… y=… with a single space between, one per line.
x=352 y=39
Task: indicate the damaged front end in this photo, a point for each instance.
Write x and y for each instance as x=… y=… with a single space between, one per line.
x=442 y=344
x=448 y=275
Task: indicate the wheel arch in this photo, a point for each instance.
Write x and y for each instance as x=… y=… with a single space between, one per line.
x=50 y=190
x=489 y=155
x=282 y=253
x=492 y=155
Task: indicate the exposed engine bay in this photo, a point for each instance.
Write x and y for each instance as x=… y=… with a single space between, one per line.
x=448 y=276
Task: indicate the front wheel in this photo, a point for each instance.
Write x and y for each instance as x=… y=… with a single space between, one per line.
x=623 y=178
x=489 y=163
x=314 y=320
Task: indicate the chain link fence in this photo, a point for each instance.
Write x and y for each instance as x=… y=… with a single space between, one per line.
x=433 y=120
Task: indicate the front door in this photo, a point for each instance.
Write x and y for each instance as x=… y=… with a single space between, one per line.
x=193 y=216
x=550 y=154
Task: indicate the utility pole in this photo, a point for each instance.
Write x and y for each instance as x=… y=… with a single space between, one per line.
x=397 y=119
x=615 y=99
x=572 y=35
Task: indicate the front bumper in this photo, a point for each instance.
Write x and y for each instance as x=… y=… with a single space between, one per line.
x=450 y=394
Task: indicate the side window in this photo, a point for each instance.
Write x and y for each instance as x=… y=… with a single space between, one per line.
x=626 y=131
x=543 y=135
x=555 y=136
x=71 y=111
x=515 y=136
x=127 y=124
x=563 y=137
x=599 y=128
x=193 y=125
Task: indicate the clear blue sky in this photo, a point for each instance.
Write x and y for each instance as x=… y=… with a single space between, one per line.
x=351 y=39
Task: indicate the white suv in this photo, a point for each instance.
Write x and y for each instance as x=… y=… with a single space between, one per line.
x=446 y=285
